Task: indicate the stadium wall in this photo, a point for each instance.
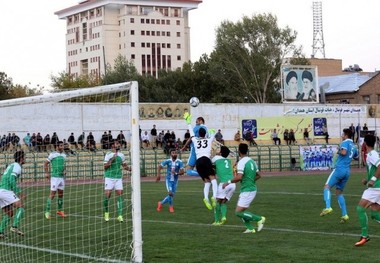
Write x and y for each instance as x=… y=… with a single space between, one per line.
x=65 y=118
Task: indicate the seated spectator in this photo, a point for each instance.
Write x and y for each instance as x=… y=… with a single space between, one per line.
x=219 y=137
x=3 y=143
x=28 y=141
x=71 y=141
x=145 y=139
x=81 y=140
x=46 y=144
x=306 y=136
x=237 y=136
x=66 y=148
x=91 y=144
x=275 y=138
x=121 y=139
x=286 y=136
x=249 y=138
x=178 y=144
x=109 y=139
x=292 y=137
x=15 y=141
x=33 y=140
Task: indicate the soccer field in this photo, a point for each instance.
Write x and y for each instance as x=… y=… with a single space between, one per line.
x=294 y=231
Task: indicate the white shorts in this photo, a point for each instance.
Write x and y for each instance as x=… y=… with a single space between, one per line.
x=246 y=198
x=57 y=183
x=227 y=192
x=113 y=184
x=372 y=195
x=7 y=198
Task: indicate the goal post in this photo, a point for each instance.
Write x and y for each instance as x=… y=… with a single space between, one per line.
x=83 y=234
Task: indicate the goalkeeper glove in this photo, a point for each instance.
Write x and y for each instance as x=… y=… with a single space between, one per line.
x=187 y=117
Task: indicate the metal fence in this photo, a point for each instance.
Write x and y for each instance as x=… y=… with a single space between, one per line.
x=89 y=165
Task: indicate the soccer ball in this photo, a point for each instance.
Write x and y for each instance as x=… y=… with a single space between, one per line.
x=194 y=102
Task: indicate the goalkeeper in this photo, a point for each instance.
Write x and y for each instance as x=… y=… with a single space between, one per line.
x=9 y=195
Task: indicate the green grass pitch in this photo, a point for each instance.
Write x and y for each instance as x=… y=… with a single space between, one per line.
x=294 y=231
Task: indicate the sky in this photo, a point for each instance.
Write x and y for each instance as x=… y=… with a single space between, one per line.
x=32 y=45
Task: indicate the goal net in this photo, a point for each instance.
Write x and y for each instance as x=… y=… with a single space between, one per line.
x=83 y=235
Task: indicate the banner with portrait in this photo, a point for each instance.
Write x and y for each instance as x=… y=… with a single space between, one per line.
x=169 y=111
x=299 y=83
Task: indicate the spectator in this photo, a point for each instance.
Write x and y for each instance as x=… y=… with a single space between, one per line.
x=71 y=141
x=237 y=136
x=3 y=143
x=90 y=143
x=160 y=138
x=249 y=138
x=28 y=141
x=286 y=136
x=357 y=129
x=34 y=141
x=104 y=141
x=306 y=136
x=66 y=148
x=46 y=144
x=40 y=142
x=153 y=136
x=292 y=137
x=121 y=138
x=109 y=139
x=353 y=129
x=54 y=140
x=275 y=138
x=365 y=128
x=325 y=133
x=15 y=141
x=145 y=139
x=178 y=144
x=81 y=140
x=219 y=137
x=167 y=142
x=186 y=137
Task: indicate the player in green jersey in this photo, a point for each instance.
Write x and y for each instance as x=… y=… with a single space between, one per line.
x=371 y=196
x=224 y=172
x=11 y=196
x=113 y=178
x=247 y=174
x=55 y=170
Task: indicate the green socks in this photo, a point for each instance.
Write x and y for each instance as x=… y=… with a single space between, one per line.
x=363 y=220
x=19 y=213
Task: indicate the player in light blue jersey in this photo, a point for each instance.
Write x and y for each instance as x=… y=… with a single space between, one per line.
x=199 y=123
x=174 y=168
x=340 y=175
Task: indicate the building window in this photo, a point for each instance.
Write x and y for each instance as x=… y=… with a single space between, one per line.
x=147 y=21
x=167 y=21
x=178 y=34
x=142 y=32
x=132 y=44
x=163 y=45
x=163 y=21
x=133 y=56
x=158 y=21
x=152 y=21
x=143 y=44
x=142 y=21
x=148 y=45
x=132 y=20
x=148 y=33
x=168 y=45
x=178 y=22
x=132 y=32
x=178 y=58
x=158 y=33
x=153 y=33
x=178 y=45
x=366 y=99
x=168 y=34
x=163 y=33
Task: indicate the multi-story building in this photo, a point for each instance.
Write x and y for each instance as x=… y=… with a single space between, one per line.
x=153 y=34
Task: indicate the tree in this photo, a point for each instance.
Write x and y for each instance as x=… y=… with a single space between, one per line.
x=5 y=85
x=65 y=81
x=123 y=71
x=249 y=54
